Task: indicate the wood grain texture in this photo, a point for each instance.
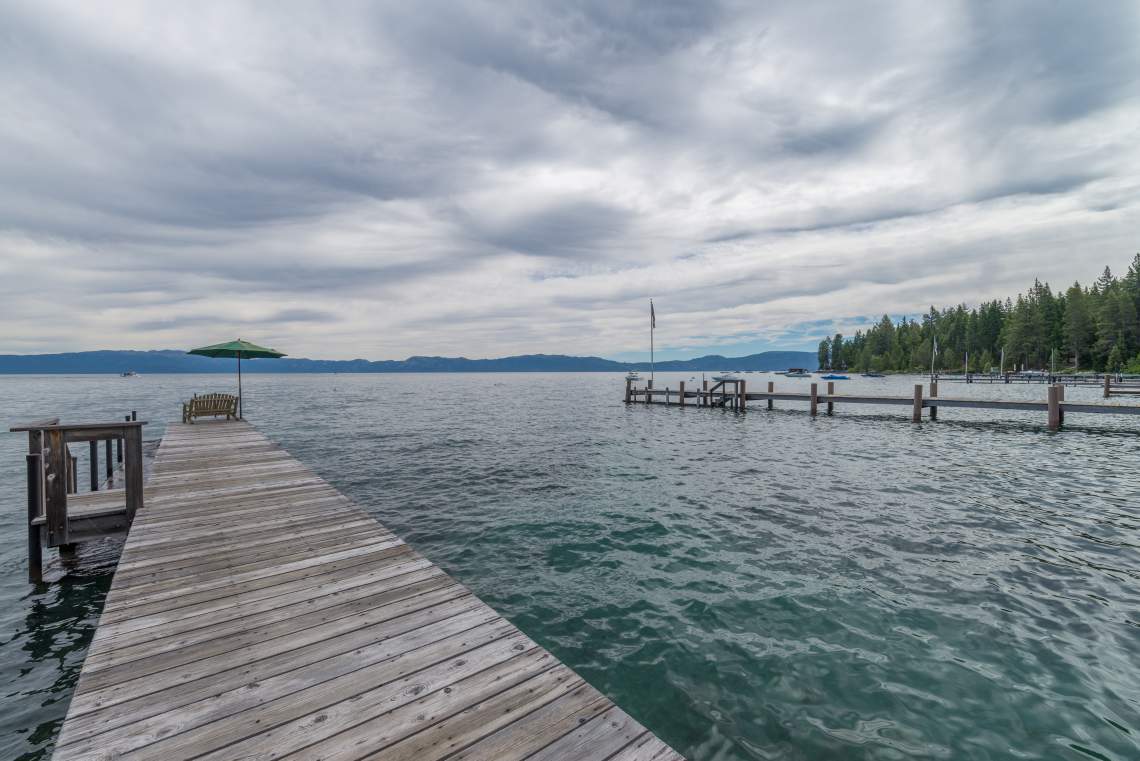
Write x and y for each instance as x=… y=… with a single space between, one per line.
x=258 y=613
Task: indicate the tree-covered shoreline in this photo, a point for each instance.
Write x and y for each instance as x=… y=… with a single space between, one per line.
x=1082 y=328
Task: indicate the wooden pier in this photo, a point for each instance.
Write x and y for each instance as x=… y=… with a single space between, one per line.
x=734 y=394
x=258 y=613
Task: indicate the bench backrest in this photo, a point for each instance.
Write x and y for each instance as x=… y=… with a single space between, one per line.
x=213 y=403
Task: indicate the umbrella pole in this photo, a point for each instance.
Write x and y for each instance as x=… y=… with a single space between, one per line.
x=239 y=385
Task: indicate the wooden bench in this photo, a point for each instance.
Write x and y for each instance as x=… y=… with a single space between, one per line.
x=210 y=405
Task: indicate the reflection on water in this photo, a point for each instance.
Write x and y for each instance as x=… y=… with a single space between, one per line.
x=749 y=586
x=42 y=657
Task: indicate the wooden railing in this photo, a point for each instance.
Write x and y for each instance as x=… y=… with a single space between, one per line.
x=52 y=475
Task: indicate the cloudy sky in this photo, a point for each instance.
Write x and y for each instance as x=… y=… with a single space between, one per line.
x=381 y=179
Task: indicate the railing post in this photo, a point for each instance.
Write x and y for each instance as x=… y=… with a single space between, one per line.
x=933 y=394
x=681 y=393
x=35 y=506
x=1061 y=405
x=119 y=441
x=771 y=390
x=1107 y=386
x=1054 y=408
x=55 y=511
x=628 y=389
x=916 y=412
x=133 y=471
x=830 y=393
x=109 y=466
x=93 y=449
x=814 y=399
x=72 y=471
x=705 y=389
x=743 y=395
x=649 y=392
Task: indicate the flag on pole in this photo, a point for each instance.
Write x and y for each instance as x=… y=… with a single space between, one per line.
x=652 y=316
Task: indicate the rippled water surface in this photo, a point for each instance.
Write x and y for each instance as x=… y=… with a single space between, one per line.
x=753 y=586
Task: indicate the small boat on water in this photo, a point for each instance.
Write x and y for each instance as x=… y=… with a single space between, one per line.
x=729 y=376
x=128 y=374
x=872 y=375
x=796 y=372
x=834 y=376
x=632 y=376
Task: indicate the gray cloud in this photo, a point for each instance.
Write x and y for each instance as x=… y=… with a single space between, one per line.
x=510 y=177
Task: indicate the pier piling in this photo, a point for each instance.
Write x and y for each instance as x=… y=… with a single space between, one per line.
x=771 y=390
x=35 y=504
x=1054 y=408
x=916 y=413
x=814 y=399
x=830 y=393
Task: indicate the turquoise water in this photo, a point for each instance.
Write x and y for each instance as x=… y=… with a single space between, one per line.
x=758 y=586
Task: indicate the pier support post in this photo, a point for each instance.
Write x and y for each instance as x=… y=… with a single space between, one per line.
x=93 y=449
x=705 y=389
x=916 y=412
x=67 y=554
x=771 y=390
x=743 y=395
x=814 y=399
x=1107 y=386
x=1054 y=408
x=1061 y=398
x=830 y=393
x=109 y=465
x=933 y=395
x=35 y=504
x=649 y=392
x=681 y=394
x=628 y=394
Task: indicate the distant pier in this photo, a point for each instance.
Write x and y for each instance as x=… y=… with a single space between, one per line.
x=734 y=394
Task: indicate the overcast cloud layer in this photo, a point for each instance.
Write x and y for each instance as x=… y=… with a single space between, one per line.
x=381 y=179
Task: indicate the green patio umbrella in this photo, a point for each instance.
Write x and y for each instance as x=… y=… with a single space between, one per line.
x=239 y=349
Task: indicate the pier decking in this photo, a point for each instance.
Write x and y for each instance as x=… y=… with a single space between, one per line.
x=258 y=613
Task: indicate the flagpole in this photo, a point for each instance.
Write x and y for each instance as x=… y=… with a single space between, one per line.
x=652 y=325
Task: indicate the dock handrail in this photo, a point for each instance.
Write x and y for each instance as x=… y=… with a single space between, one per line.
x=52 y=476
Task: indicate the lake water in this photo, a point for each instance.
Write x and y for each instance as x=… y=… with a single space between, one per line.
x=756 y=586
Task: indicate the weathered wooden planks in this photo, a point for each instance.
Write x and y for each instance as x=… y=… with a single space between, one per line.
x=258 y=613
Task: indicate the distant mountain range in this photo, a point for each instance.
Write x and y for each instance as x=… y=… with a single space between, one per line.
x=174 y=361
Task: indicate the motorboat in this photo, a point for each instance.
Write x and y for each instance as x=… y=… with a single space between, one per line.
x=632 y=376
x=729 y=376
x=128 y=374
x=796 y=372
x=872 y=375
x=834 y=376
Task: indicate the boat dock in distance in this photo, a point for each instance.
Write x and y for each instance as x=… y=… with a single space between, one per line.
x=257 y=613
x=734 y=394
